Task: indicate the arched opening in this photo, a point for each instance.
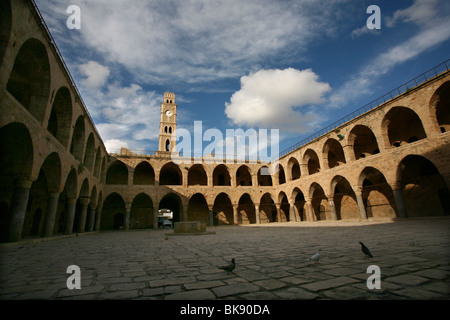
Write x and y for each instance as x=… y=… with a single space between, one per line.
x=377 y=194
x=312 y=161
x=264 y=178
x=299 y=205
x=223 y=210
x=243 y=176
x=294 y=168
x=113 y=213
x=117 y=173
x=29 y=81
x=403 y=126
x=221 y=176
x=144 y=174
x=167 y=145
x=319 y=202
x=281 y=175
x=77 y=146
x=173 y=203
x=425 y=191
x=246 y=210
x=69 y=192
x=60 y=121
x=284 y=207
x=90 y=152
x=333 y=153
x=198 y=208
x=170 y=174
x=141 y=213
x=344 y=199
x=98 y=160
x=363 y=141
x=197 y=176
x=441 y=104
x=16 y=162
x=267 y=209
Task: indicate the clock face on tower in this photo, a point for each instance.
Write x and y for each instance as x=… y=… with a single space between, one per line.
x=169 y=113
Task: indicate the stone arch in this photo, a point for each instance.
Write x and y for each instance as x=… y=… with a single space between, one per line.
x=294 y=169
x=60 y=121
x=281 y=175
x=221 y=176
x=198 y=208
x=98 y=160
x=144 y=174
x=141 y=212
x=170 y=174
x=333 y=153
x=29 y=81
x=440 y=106
x=70 y=191
x=90 y=152
x=425 y=191
x=363 y=141
x=264 y=177
x=113 y=212
x=319 y=202
x=223 y=209
x=267 y=209
x=344 y=199
x=243 y=176
x=284 y=207
x=117 y=173
x=172 y=202
x=77 y=146
x=5 y=26
x=402 y=126
x=246 y=210
x=311 y=160
x=197 y=175
x=377 y=194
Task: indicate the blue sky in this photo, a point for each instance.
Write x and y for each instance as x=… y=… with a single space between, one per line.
x=295 y=66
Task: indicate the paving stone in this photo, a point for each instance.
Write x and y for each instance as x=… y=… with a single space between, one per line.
x=327 y=284
x=270 y=284
x=119 y=295
x=407 y=280
x=202 y=294
x=203 y=285
x=295 y=294
x=234 y=289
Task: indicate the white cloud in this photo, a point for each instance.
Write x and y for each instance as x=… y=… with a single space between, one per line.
x=95 y=75
x=114 y=145
x=272 y=99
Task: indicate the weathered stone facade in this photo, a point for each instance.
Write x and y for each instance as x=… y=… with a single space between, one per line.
x=57 y=177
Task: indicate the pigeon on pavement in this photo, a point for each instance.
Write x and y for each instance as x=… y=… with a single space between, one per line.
x=315 y=257
x=365 y=250
x=229 y=267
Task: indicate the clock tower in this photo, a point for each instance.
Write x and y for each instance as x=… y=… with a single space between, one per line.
x=168 y=123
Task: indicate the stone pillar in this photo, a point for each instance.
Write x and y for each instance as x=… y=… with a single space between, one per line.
x=293 y=216
x=98 y=217
x=185 y=212
x=91 y=220
x=155 y=214
x=84 y=206
x=399 y=201
x=332 y=208
x=360 y=202
x=211 y=215
x=235 y=214
x=18 y=209
x=278 y=206
x=258 y=218
x=127 y=216
x=71 y=205
x=50 y=216
x=309 y=210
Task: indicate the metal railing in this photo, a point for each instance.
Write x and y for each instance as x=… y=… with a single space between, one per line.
x=411 y=84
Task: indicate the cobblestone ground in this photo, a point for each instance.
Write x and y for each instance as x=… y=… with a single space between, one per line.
x=413 y=257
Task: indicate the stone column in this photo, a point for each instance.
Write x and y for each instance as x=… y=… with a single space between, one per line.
x=360 y=202
x=332 y=208
x=309 y=210
x=211 y=215
x=185 y=213
x=235 y=214
x=127 y=216
x=278 y=206
x=18 y=209
x=98 y=218
x=82 y=222
x=92 y=211
x=155 y=214
x=293 y=216
x=50 y=216
x=71 y=205
x=258 y=218
x=399 y=201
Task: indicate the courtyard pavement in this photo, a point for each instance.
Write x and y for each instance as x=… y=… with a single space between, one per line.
x=413 y=256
